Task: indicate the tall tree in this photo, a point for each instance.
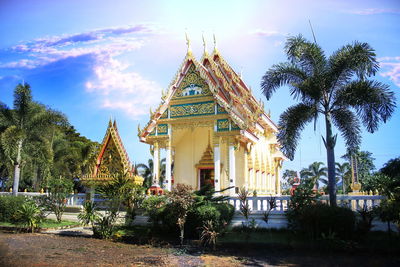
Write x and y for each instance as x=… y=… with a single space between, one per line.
x=336 y=88
x=146 y=171
x=288 y=179
x=27 y=121
x=365 y=164
x=343 y=173
x=315 y=172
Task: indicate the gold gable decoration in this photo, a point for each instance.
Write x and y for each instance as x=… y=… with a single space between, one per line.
x=192 y=85
x=112 y=160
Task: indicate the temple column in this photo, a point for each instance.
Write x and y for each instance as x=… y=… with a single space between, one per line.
x=168 y=177
x=217 y=167
x=156 y=163
x=232 y=169
x=246 y=170
x=251 y=174
x=277 y=177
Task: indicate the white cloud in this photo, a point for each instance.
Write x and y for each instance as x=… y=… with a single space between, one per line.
x=391 y=69
x=113 y=86
x=266 y=33
x=116 y=88
x=114 y=40
x=374 y=11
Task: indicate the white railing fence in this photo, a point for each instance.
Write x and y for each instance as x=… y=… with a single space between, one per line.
x=261 y=204
x=257 y=204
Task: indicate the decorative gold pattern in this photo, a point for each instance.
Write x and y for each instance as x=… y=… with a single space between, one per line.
x=192 y=79
x=162 y=129
x=220 y=110
x=222 y=125
x=195 y=109
x=164 y=115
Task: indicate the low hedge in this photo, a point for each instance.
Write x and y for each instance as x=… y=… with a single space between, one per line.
x=318 y=220
x=9 y=205
x=220 y=214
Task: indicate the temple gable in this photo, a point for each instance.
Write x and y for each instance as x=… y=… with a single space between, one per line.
x=112 y=159
x=192 y=85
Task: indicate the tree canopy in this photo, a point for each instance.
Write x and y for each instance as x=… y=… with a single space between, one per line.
x=336 y=87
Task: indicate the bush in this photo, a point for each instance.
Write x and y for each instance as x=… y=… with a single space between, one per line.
x=9 y=205
x=59 y=190
x=318 y=220
x=154 y=207
x=220 y=215
x=29 y=215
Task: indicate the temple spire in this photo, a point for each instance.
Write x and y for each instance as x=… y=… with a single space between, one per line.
x=189 y=48
x=215 y=44
x=204 y=44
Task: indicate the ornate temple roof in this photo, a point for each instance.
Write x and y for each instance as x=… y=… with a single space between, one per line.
x=228 y=90
x=112 y=158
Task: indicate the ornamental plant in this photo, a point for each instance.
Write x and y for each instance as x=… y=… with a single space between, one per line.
x=56 y=200
x=181 y=200
x=29 y=215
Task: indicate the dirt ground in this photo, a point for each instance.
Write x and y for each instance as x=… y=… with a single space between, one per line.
x=55 y=250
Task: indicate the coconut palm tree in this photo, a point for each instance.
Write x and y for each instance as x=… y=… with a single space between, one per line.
x=27 y=121
x=343 y=173
x=315 y=173
x=146 y=171
x=335 y=87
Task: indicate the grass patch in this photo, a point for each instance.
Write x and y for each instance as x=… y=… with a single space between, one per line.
x=47 y=223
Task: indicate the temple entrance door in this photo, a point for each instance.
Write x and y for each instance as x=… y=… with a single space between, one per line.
x=206 y=176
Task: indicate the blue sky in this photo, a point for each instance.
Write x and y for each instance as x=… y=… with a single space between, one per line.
x=94 y=60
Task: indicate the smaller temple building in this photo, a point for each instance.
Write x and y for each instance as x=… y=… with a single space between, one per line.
x=111 y=160
x=213 y=130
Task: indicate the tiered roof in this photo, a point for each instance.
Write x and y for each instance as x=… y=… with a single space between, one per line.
x=112 y=158
x=229 y=91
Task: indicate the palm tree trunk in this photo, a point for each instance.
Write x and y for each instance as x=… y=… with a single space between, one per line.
x=343 y=185
x=330 y=153
x=17 y=169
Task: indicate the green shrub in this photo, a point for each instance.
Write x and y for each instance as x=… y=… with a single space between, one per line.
x=104 y=227
x=89 y=214
x=220 y=215
x=154 y=207
x=9 y=205
x=318 y=220
x=29 y=215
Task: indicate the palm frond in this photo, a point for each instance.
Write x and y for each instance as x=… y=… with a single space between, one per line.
x=291 y=123
x=308 y=55
x=373 y=101
x=279 y=75
x=353 y=59
x=357 y=58
x=349 y=126
x=22 y=99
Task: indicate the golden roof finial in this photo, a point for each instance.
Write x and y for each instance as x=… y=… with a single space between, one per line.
x=215 y=44
x=189 y=49
x=204 y=44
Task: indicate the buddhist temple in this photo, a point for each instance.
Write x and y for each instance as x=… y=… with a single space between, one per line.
x=213 y=130
x=111 y=160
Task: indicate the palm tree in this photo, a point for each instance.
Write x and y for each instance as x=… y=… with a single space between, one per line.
x=343 y=173
x=146 y=171
x=28 y=121
x=315 y=173
x=335 y=87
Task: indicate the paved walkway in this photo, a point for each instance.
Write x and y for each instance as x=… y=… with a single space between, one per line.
x=76 y=231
